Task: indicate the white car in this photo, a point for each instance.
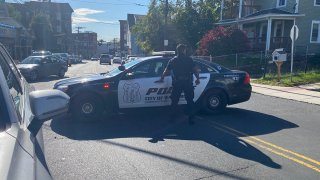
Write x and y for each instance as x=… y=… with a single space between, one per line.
x=23 y=112
x=117 y=60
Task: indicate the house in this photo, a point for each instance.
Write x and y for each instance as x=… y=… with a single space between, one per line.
x=268 y=23
x=133 y=48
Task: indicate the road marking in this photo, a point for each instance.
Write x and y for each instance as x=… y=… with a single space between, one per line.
x=257 y=141
x=273 y=151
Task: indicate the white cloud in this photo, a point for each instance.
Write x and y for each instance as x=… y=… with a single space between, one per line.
x=81 y=16
x=86 y=11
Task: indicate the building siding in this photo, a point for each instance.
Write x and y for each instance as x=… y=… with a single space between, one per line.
x=304 y=24
x=289 y=7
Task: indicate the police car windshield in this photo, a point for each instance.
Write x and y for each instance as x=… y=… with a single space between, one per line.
x=128 y=65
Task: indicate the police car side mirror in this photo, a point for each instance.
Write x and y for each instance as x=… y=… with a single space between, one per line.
x=122 y=68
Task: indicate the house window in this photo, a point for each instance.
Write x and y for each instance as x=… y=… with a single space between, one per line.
x=317 y=2
x=281 y=3
x=315 y=32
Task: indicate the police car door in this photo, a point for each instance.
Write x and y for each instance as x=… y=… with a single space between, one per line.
x=204 y=75
x=137 y=88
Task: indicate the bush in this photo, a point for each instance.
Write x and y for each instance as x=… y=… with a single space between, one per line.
x=222 y=41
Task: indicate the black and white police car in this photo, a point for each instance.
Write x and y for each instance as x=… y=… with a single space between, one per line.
x=132 y=85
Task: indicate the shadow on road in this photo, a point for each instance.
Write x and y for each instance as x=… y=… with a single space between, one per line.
x=156 y=126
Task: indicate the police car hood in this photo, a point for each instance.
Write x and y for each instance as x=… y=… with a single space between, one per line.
x=81 y=79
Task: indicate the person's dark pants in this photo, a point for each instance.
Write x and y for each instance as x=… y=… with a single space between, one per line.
x=188 y=89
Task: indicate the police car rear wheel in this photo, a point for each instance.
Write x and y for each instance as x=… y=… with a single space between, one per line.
x=86 y=108
x=214 y=102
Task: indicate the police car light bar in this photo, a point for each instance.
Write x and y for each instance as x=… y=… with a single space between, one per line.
x=163 y=53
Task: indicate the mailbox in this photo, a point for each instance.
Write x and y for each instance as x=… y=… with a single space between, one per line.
x=279 y=55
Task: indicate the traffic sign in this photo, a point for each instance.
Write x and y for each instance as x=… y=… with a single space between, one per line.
x=292 y=32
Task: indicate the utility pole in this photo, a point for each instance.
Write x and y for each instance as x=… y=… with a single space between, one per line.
x=78 y=28
x=165 y=41
x=76 y=39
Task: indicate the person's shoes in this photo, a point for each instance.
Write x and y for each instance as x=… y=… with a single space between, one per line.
x=190 y=120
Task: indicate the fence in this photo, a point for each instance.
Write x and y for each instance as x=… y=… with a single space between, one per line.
x=257 y=64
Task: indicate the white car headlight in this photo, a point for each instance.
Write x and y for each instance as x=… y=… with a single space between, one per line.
x=63 y=88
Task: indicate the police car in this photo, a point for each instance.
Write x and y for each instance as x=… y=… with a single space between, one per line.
x=133 y=85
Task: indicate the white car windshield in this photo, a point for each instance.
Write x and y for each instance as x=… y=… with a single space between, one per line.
x=32 y=60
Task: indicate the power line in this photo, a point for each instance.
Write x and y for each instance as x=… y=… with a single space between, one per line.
x=115 y=4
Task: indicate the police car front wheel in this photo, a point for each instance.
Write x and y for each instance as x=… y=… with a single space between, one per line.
x=214 y=102
x=86 y=108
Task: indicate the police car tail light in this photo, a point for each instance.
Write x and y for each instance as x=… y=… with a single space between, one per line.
x=246 y=79
x=106 y=86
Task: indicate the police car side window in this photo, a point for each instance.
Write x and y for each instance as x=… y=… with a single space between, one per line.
x=13 y=84
x=142 y=70
x=202 y=68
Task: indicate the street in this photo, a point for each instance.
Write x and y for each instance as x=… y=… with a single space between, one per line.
x=264 y=138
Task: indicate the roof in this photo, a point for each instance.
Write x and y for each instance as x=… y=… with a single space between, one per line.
x=262 y=15
x=42 y=5
x=133 y=19
x=268 y=11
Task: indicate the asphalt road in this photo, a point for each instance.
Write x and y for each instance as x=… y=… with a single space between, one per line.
x=264 y=138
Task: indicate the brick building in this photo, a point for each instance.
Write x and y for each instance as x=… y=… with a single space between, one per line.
x=85 y=44
x=59 y=15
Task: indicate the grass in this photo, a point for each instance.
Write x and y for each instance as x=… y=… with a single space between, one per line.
x=297 y=79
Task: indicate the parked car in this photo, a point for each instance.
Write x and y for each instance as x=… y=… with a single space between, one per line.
x=41 y=53
x=94 y=58
x=75 y=59
x=23 y=112
x=34 y=67
x=133 y=86
x=105 y=58
x=117 y=59
x=78 y=58
x=65 y=57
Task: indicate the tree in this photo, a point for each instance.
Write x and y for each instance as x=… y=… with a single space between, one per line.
x=193 y=20
x=14 y=13
x=42 y=30
x=187 y=22
x=221 y=41
x=150 y=31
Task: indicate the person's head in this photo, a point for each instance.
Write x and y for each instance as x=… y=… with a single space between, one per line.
x=181 y=49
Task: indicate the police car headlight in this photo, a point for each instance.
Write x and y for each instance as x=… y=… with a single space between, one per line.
x=63 y=88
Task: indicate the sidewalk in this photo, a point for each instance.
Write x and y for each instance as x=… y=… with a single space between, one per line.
x=305 y=93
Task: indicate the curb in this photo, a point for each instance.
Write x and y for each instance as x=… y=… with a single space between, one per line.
x=303 y=95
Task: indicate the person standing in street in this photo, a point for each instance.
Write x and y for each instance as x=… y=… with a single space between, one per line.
x=182 y=68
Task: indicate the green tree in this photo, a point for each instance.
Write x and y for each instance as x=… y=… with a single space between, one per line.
x=150 y=31
x=42 y=30
x=14 y=13
x=187 y=22
x=193 y=20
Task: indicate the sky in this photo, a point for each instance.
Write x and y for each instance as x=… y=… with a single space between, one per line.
x=102 y=16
